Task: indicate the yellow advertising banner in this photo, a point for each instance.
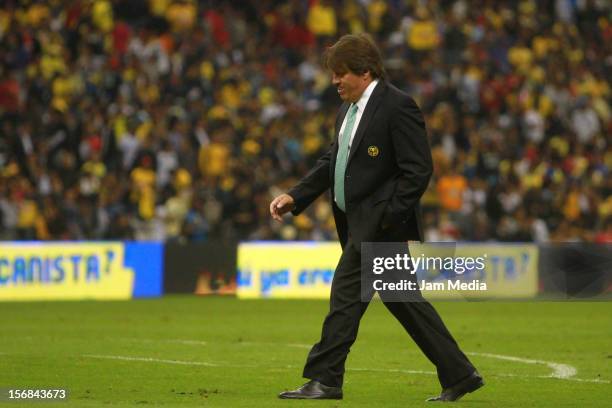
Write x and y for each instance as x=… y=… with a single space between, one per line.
x=64 y=270
x=305 y=270
x=286 y=269
x=510 y=270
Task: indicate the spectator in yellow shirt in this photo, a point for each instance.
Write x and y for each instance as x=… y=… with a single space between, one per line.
x=321 y=19
x=423 y=33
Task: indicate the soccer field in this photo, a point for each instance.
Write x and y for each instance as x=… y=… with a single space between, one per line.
x=224 y=352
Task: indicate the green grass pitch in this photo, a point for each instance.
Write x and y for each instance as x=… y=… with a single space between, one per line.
x=224 y=352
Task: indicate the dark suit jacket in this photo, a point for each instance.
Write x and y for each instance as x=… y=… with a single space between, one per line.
x=388 y=170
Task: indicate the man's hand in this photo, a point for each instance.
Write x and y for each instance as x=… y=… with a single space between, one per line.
x=281 y=205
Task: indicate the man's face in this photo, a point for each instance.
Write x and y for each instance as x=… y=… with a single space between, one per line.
x=350 y=85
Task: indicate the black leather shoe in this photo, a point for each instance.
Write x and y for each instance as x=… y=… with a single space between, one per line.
x=313 y=390
x=469 y=384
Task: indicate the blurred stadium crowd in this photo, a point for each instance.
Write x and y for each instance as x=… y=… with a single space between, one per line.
x=180 y=120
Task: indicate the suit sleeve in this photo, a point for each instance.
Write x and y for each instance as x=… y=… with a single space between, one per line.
x=313 y=184
x=413 y=157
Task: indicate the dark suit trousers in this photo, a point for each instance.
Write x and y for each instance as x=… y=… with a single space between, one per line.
x=326 y=359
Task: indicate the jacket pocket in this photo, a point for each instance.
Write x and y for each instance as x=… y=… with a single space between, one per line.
x=384 y=193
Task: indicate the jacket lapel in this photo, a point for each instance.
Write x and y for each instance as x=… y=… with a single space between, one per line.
x=339 y=119
x=367 y=115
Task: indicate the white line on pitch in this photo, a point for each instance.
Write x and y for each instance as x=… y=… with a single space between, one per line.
x=164 y=361
x=151 y=360
x=563 y=371
x=559 y=370
x=595 y=380
x=386 y=370
x=590 y=380
x=198 y=363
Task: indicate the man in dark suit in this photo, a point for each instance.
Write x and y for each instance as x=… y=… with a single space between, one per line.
x=377 y=168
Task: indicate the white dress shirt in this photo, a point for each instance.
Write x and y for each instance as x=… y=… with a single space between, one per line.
x=361 y=105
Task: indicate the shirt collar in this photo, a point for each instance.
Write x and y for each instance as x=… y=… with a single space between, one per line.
x=365 y=97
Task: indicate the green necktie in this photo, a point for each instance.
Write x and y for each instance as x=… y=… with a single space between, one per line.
x=343 y=153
